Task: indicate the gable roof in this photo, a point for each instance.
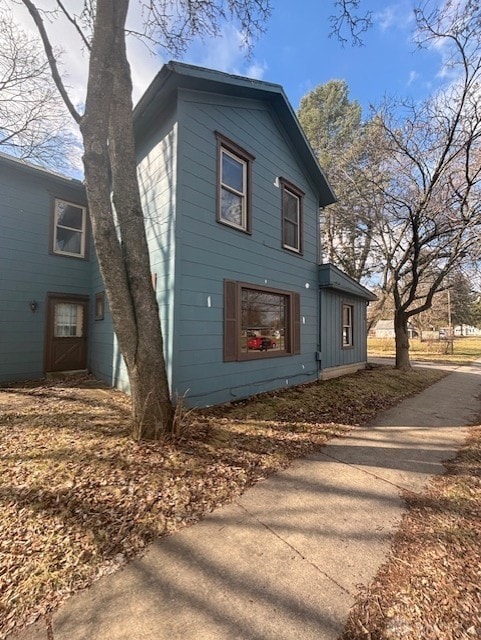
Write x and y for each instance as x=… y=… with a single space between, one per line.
x=175 y=75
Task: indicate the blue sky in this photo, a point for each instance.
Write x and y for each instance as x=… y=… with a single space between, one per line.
x=296 y=51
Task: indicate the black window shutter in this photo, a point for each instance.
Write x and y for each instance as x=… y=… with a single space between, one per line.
x=230 y=321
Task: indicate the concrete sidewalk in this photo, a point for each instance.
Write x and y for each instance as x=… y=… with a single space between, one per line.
x=283 y=561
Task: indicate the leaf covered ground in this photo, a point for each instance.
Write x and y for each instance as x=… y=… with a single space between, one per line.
x=79 y=497
x=430 y=586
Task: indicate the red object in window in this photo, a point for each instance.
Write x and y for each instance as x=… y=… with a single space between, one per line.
x=260 y=343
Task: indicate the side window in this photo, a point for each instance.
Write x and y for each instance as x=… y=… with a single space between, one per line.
x=292 y=198
x=347 y=325
x=259 y=322
x=69 y=229
x=234 y=171
x=100 y=305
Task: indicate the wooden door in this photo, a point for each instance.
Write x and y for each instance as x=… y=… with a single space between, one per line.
x=66 y=343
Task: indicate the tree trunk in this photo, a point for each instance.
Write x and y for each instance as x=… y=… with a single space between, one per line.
x=119 y=235
x=402 y=341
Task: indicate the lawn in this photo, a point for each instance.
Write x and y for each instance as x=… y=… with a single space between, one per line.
x=464 y=349
x=80 y=497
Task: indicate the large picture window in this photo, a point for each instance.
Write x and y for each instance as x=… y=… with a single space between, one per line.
x=259 y=322
x=234 y=185
x=291 y=216
x=69 y=229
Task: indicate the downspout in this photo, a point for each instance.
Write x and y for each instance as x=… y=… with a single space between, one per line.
x=320 y=219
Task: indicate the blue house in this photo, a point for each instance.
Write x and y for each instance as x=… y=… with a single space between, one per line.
x=231 y=193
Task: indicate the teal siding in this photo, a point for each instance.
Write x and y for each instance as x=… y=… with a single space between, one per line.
x=191 y=253
x=332 y=352
x=209 y=252
x=105 y=360
x=27 y=270
x=158 y=182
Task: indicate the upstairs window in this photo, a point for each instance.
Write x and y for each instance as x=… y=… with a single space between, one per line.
x=69 y=229
x=234 y=185
x=291 y=216
x=347 y=325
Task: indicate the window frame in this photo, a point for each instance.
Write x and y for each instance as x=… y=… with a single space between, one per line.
x=233 y=322
x=232 y=149
x=99 y=305
x=83 y=255
x=349 y=344
x=293 y=190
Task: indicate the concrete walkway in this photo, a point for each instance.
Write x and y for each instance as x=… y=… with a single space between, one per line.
x=283 y=561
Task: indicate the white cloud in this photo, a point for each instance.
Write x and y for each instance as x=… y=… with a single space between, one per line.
x=257 y=70
x=386 y=18
x=413 y=76
x=226 y=53
x=65 y=40
x=395 y=16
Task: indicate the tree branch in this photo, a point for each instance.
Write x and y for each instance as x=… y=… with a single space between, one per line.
x=32 y=9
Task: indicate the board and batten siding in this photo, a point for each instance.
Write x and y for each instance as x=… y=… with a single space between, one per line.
x=209 y=252
x=332 y=352
x=28 y=271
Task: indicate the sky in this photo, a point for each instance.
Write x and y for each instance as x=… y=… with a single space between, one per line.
x=295 y=51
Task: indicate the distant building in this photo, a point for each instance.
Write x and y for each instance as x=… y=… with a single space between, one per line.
x=385 y=329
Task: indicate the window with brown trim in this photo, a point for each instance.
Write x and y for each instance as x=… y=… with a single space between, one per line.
x=234 y=178
x=69 y=234
x=99 y=305
x=259 y=322
x=292 y=198
x=347 y=325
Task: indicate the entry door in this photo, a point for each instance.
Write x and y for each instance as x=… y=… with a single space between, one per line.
x=66 y=348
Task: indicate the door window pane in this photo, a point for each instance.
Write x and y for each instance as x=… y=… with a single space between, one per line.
x=68 y=320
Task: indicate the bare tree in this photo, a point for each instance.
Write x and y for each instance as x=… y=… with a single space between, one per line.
x=350 y=153
x=348 y=18
x=106 y=126
x=32 y=115
x=431 y=219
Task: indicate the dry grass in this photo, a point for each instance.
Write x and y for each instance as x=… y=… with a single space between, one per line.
x=79 y=497
x=465 y=349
